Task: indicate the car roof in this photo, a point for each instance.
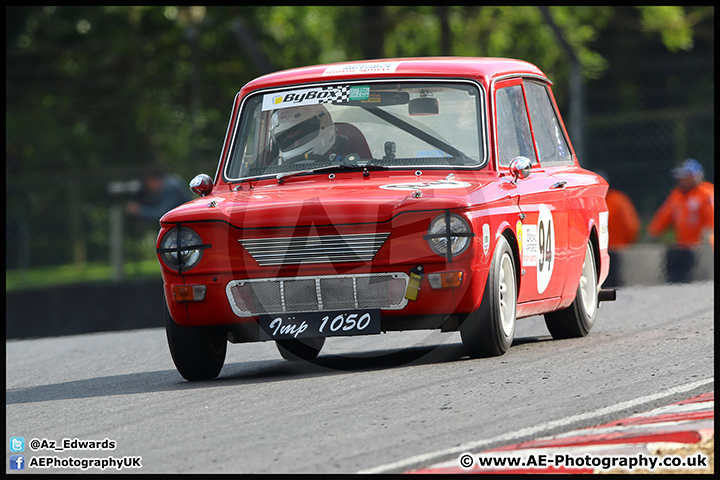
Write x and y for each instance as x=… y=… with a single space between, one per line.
x=484 y=69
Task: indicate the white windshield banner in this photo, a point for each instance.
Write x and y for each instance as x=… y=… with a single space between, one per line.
x=361 y=68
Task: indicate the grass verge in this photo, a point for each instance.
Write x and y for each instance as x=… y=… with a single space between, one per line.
x=68 y=274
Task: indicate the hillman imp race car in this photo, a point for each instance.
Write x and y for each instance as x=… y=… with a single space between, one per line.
x=402 y=194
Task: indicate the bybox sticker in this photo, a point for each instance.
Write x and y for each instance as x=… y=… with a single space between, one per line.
x=306 y=96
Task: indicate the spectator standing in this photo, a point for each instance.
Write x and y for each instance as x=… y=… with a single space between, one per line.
x=689 y=211
x=623 y=229
x=161 y=193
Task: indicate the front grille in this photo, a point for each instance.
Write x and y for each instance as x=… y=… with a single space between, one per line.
x=384 y=291
x=319 y=249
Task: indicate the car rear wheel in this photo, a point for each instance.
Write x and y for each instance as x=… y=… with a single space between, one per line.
x=577 y=319
x=198 y=352
x=490 y=330
x=300 y=349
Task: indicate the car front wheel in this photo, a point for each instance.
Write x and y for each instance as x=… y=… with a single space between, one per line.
x=300 y=349
x=577 y=319
x=198 y=352
x=490 y=330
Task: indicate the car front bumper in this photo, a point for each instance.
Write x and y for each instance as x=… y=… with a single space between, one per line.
x=445 y=291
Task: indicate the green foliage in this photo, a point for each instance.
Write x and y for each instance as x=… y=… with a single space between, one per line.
x=673 y=24
x=412 y=32
x=156 y=82
x=95 y=93
x=295 y=36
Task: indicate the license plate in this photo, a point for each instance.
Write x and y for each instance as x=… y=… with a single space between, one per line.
x=319 y=324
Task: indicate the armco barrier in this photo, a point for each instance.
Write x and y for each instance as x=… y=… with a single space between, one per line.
x=644 y=264
x=99 y=307
x=84 y=308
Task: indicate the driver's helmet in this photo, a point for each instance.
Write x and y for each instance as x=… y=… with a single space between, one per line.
x=301 y=130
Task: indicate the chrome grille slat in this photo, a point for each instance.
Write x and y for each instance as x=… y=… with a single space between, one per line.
x=322 y=249
x=318 y=239
x=290 y=259
x=384 y=291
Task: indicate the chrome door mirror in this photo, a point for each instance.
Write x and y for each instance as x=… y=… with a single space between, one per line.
x=520 y=167
x=201 y=185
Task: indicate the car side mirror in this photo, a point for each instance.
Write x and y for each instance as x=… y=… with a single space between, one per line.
x=201 y=185
x=520 y=167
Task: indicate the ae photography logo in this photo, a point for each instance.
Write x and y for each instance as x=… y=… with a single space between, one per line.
x=40 y=461
x=17 y=462
x=17 y=444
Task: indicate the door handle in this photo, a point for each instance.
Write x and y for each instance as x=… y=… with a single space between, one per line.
x=560 y=184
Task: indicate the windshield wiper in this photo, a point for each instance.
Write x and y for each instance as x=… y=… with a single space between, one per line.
x=340 y=166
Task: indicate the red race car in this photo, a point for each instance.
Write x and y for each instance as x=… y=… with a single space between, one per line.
x=402 y=194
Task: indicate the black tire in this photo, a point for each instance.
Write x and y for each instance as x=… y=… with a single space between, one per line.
x=489 y=331
x=577 y=320
x=300 y=349
x=198 y=352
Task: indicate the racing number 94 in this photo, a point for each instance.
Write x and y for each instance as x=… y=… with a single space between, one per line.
x=545 y=245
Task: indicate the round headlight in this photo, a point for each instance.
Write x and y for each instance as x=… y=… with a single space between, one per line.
x=176 y=248
x=456 y=237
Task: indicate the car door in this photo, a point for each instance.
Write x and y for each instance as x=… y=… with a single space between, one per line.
x=557 y=160
x=541 y=228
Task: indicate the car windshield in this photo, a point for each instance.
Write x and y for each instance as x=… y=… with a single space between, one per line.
x=388 y=124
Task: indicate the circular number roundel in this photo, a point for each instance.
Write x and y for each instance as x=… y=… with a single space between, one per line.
x=546 y=248
x=437 y=184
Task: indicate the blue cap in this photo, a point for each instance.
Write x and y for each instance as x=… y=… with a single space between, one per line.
x=688 y=167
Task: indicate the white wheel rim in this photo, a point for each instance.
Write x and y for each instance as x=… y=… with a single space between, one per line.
x=588 y=283
x=507 y=295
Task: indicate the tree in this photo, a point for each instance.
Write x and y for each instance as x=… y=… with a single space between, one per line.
x=102 y=91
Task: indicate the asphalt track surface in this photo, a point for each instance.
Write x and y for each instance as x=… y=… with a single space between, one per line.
x=381 y=404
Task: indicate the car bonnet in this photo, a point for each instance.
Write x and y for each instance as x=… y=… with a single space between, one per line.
x=347 y=199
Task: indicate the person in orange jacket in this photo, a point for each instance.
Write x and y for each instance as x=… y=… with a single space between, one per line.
x=623 y=220
x=623 y=228
x=689 y=210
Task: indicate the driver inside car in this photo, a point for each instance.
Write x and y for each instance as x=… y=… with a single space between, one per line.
x=306 y=133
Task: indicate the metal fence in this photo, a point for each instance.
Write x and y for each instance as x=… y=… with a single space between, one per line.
x=57 y=217
x=638 y=136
